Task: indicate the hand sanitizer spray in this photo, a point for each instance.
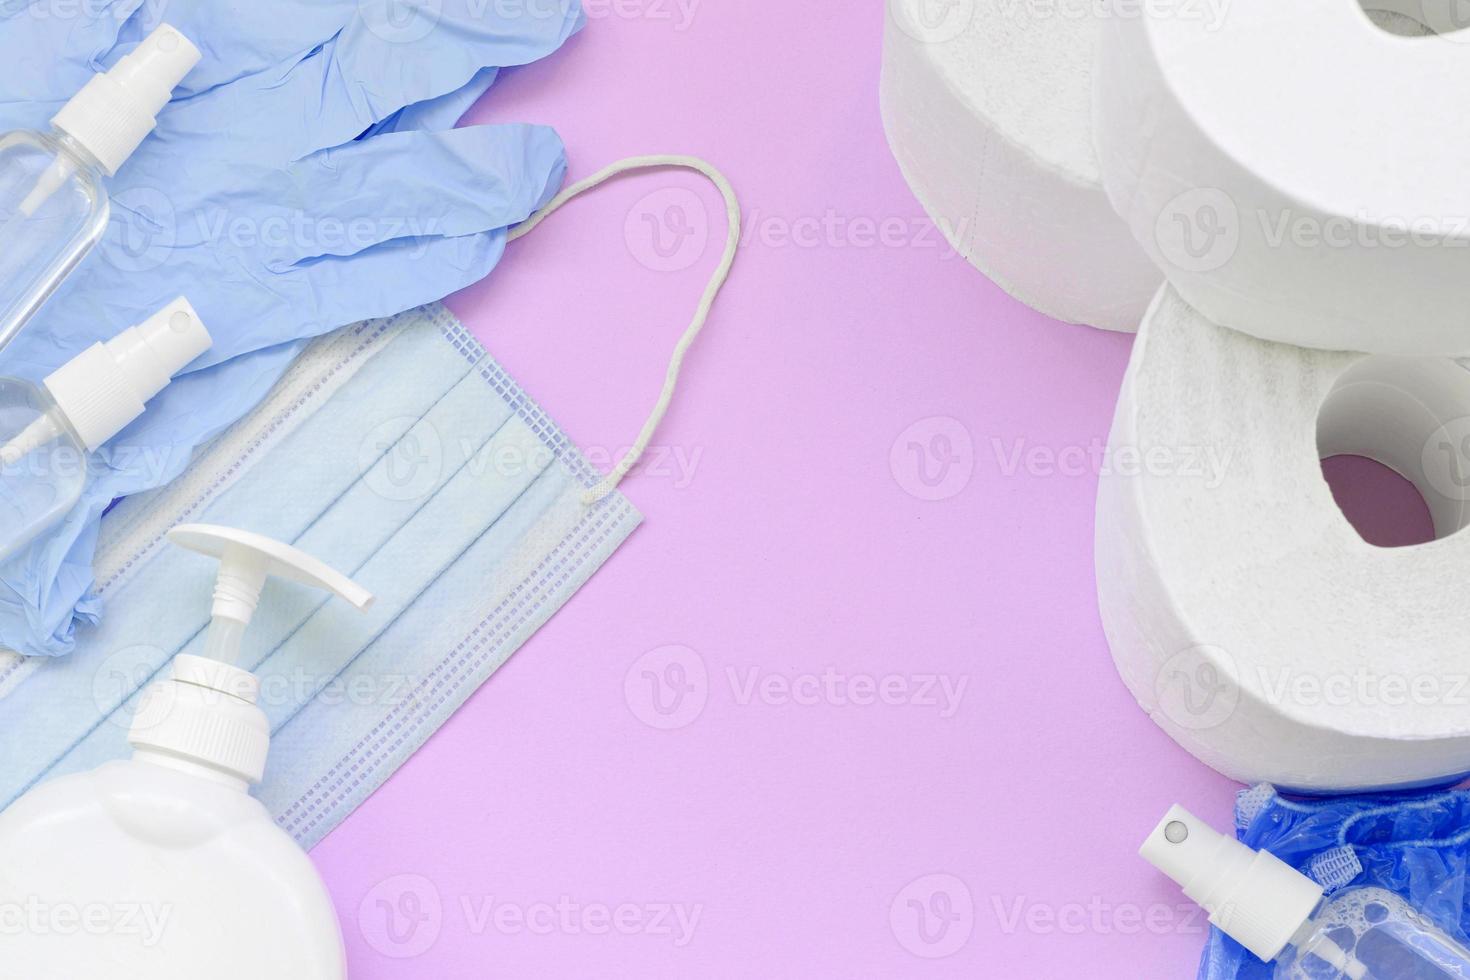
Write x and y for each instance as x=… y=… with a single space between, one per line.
x=164 y=865
x=1280 y=914
x=53 y=207
x=47 y=433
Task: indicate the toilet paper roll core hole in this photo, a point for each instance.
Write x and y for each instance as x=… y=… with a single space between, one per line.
x=1411 y=415
x=1416 y=18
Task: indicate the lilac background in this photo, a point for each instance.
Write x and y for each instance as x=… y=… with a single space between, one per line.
x=801 y=543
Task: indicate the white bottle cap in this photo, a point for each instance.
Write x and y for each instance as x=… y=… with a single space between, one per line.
x=1253 y=896
x=206 y=711
x=116 y=110
x=103 y=389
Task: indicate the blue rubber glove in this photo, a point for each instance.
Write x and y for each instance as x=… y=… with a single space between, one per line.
x=303 y=178
x=50 y=52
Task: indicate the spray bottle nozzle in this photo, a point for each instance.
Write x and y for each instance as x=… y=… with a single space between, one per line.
x=246 y=561
x=112 y=114
x=106 y=387
x=1253 y=896
x=151 y=71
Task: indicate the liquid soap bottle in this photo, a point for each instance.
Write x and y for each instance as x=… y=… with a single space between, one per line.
x=53 y=203
x=47 y=432
x=177 y=871
x=1279 y=914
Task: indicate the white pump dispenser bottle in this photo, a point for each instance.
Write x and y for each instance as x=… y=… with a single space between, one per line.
x=1280 y=915
x=53 y=205
x=163 y=866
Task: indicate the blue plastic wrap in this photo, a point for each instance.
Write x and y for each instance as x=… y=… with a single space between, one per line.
x=1414 y=845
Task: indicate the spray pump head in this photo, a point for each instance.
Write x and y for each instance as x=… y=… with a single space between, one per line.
x=206 y=711
x=117 y=109
x=106 y=387
x=1253 y=896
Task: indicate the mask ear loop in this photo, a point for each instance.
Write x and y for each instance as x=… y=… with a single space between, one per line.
x=610 y=482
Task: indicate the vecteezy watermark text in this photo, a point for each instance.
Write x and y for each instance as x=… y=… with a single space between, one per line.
x=402 y=917
x=137 y=920
x=840 y=689
x=669 y=687
x=1208 y=464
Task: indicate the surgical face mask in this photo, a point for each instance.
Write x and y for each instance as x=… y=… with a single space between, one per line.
x=398 y=452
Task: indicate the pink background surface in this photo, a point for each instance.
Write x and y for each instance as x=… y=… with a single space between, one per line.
x=550 y=829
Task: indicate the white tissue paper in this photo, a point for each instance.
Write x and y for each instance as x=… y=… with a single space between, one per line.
x=987 y=107
x=1294 y=167
x=1245 y=614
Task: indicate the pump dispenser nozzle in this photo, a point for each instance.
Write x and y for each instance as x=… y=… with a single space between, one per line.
x=246 y=561
x=206 y=712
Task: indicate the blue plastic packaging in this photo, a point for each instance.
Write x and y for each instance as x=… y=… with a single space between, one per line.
x=1416 y=847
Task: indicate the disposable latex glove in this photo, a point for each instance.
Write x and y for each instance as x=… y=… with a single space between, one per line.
x=303 y=178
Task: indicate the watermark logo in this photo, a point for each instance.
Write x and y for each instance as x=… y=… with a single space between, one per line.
x=668 y=230
x=1446 y=459
x=933 y=459
x=833 y=230
x=131 y=688
x=138 y=921
x=1362 y=687
x=1097 y=917
x=1280 y=229
x=667 y=688
x=1208 y=465
x=678 y=14
x=933 y=916
x=402 y=916
x=1210 y=13
x=1198 y=688
x=933 y=21
x=147 y=228
x=670 y=687
x=44 y=472
x=144 y=230
x=296 y=233
x=1199 y=230
x=117 y=681
x=401 y=459
x=944 y=693
x=676 y=922
x=147 y=16
x=400 y=21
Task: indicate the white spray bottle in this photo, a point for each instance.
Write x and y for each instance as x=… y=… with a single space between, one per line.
x=163 y=866
x=1280 y=915
x=53 y=203
x=48 y=432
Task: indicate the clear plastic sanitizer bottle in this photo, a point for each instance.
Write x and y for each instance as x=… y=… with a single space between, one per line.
x=46 y=432
x=53 y=206
x=1280 y=914
x=176 y=870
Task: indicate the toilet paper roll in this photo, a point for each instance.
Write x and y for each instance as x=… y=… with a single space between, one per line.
x=1402 y=17
x=1290 y=167
x=1244 y=612
x=987 y=106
